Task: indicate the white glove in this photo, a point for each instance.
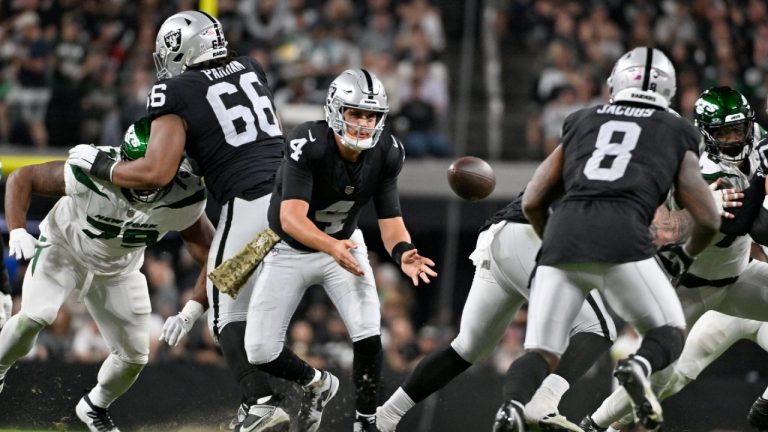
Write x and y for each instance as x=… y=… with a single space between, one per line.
x=177 y=326
x=6 y=302
x=22 y=244
x=92 y=160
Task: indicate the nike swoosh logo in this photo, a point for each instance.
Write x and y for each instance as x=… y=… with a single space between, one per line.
x=311 y=138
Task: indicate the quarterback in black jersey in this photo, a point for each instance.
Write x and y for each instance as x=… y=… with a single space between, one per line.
x=218 y=109
x=330 y=170
x=504 y=258
x=614 y=167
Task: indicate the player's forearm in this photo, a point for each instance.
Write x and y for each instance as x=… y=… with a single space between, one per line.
x=199 y=293
x=18 y=194
x=393 y=231
x=301 y=229
x=142 y=174
x=670 y=226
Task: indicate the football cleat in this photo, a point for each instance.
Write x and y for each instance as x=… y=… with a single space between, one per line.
x=541 y=413
x=2 y=384
x=509 y=418
x=96 y=418
x=631 y=375
x=758 y=414
x=242 y=411
x=316 y=397
x=589 y=425
x=365 y=424
x=554 y=422
x=264 y=418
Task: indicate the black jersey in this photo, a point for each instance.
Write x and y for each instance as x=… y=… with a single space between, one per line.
x=233 y=134
x=619 y=164
x=336 y=190
x=513 y=212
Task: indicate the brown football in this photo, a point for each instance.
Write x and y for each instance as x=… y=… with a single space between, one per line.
x=471 y=178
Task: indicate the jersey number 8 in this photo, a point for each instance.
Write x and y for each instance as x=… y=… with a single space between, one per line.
x=615 y=142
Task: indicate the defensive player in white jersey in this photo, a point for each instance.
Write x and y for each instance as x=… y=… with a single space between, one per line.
x=723 y=278
x=93 y=241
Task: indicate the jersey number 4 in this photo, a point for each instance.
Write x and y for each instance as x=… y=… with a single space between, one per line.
x=261 y=106
x=613 y=150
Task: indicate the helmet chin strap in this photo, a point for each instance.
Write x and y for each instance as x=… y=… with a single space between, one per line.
x=357 y=144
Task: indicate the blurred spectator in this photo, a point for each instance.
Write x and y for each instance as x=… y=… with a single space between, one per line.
x=563 y=103
x=55 y=341
x=424 y=103
x=88 y=346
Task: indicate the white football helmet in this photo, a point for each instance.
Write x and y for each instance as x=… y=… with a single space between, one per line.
x=643 y=75
x=185 y=39
x=358 y=89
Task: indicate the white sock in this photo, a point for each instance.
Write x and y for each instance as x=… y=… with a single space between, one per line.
x=645 y=363
x=613 y=408
x=547 y=397
x=367 y=416
x=115 y=378
x=394 y=409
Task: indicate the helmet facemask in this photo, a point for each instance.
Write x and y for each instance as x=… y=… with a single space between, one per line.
x=356 y=92
x=731 y=142
x=134 y=146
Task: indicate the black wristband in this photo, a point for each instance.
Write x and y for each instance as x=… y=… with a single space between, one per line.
x=102 y=166
x=400 y=249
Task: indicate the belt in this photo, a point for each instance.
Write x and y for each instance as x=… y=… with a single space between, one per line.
x=692 y=281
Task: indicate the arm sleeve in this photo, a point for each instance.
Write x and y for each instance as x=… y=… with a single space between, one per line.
x=387 y=199
x=745 y=215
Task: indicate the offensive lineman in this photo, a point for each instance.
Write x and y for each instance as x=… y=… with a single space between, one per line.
x=218 y=108
x=723 y=280
x=93 y=240
x=331 y=169
x=614 y=167
x=504 y=259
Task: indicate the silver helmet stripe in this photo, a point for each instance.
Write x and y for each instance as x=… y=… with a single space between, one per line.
x=648 y=63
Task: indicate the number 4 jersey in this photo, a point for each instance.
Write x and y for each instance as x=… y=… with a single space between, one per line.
x=619 y=163
x=233 y=133
x=107 y=232
x=336 y=190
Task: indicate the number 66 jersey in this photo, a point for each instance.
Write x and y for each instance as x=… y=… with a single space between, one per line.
x=620 y=161
x=107 y=230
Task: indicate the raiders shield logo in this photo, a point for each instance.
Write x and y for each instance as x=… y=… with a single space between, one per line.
x=173 y=40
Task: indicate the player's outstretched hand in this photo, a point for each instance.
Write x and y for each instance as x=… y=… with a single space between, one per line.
x=417 y=266
x=175 y=328
x=22 y=244
x=92 y=160
x=725 y=199
x=340 y=252
x=6 y=303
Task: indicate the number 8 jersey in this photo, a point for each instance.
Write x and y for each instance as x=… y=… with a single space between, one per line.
x=233 y=133
x=106 y=231
x=619 y=164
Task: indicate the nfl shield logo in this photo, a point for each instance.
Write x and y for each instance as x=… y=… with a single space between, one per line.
x=173 y=40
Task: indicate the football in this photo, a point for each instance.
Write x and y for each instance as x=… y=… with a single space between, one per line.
x=471 y=178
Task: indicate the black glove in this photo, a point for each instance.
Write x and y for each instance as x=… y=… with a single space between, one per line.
x=675 y=261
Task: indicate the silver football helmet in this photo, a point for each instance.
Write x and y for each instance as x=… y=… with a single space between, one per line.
x=643 y=75
x=357 y=89
x=185 y=39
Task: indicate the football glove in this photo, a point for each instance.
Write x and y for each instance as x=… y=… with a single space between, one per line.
x=177 y=326
x=6 y=302
x=675 y=261
x=92 y=160
x=22 y=244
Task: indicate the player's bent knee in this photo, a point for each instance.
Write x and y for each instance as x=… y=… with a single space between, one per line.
x=43 y=318
x=263 y=353
x=27 y=324
x=470 y=352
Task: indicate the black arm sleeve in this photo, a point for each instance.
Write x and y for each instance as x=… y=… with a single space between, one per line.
x=745 y=215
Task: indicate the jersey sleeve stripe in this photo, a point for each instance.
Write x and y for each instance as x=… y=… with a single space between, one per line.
x=37 y=255
x=85 y=180
x=198 y=196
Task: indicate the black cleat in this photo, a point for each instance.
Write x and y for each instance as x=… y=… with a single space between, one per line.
x=509 y=418
x=758 y=414
x=589 y=425
x=633 y=378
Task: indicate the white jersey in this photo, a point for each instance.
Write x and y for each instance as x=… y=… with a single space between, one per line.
x=107 y=232
x=728 y=256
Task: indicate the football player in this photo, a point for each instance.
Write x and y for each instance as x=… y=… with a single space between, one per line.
x=724 y=278
x=93 y=240
x=331 y=169
x=614 y=167
x=216 y=107
x=504 y=259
